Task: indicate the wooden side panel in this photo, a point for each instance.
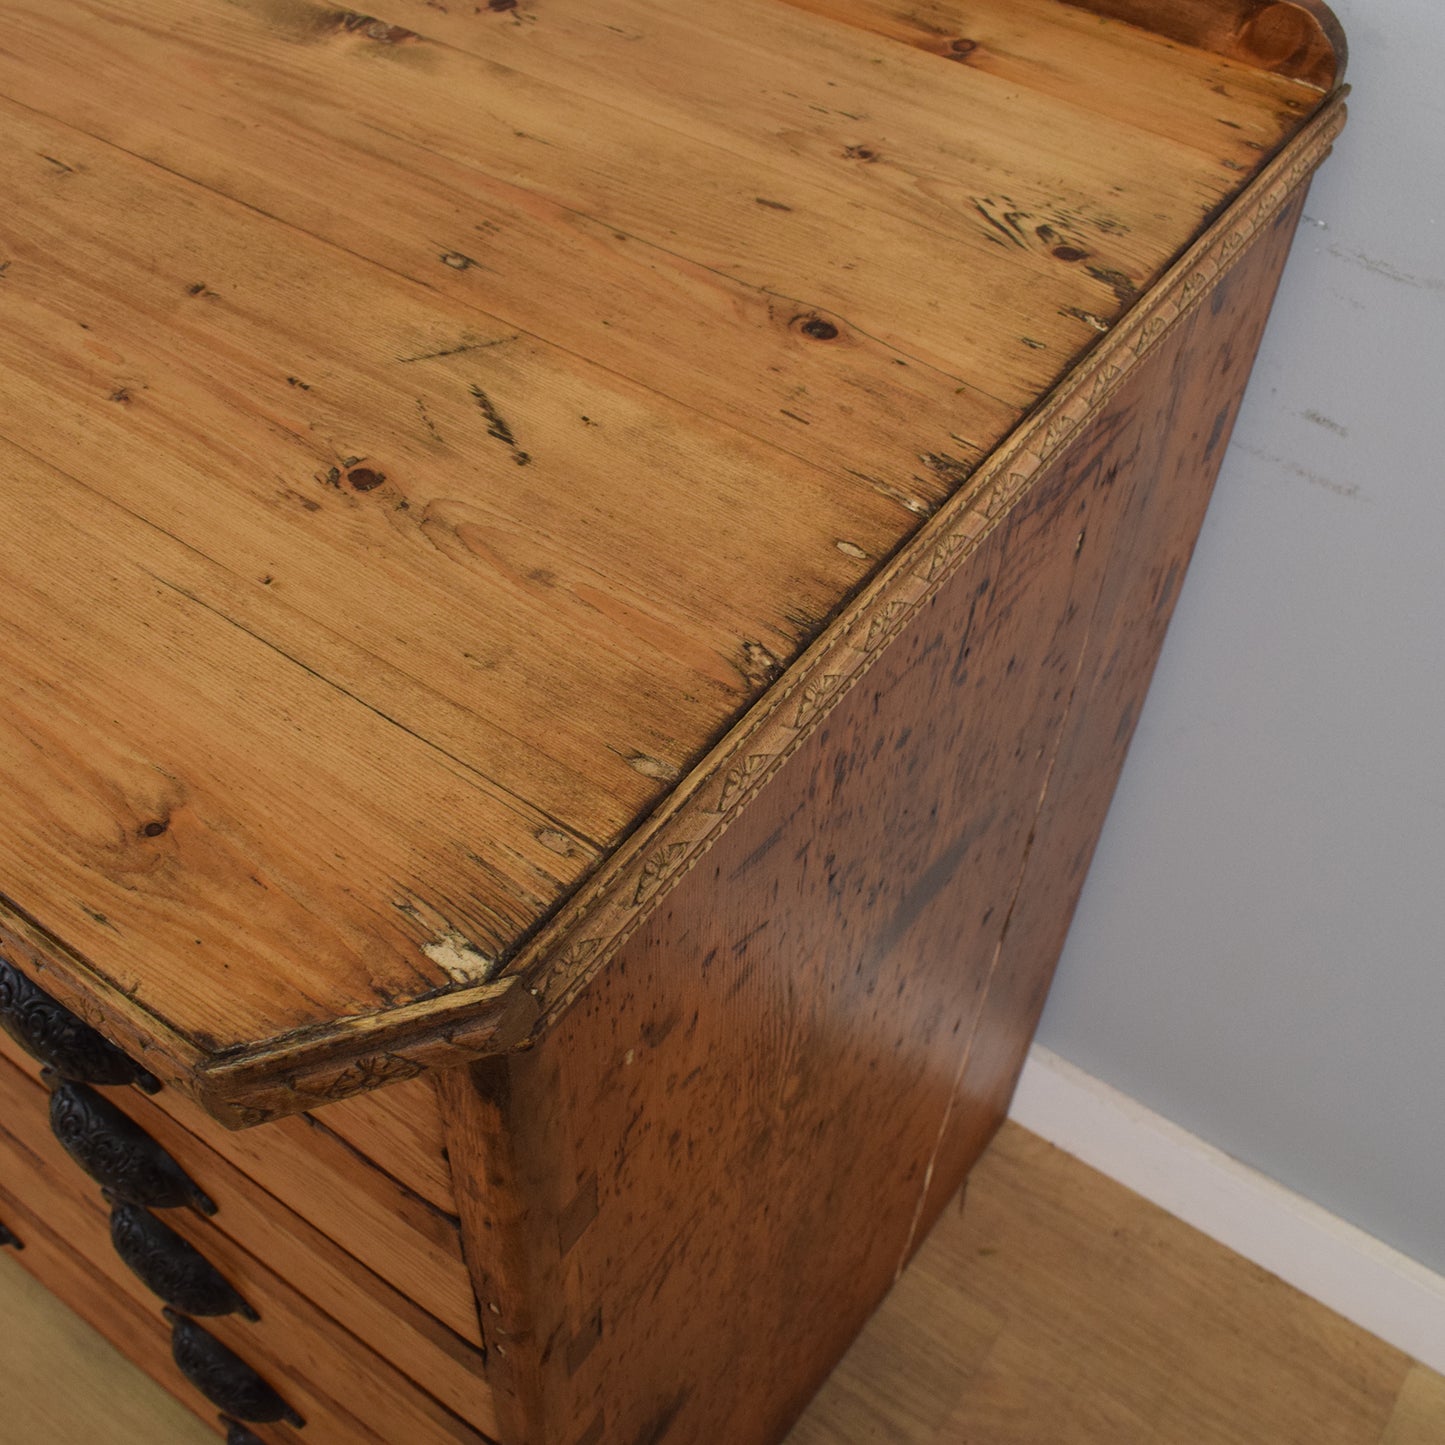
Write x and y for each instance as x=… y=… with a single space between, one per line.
x=719 y=1152
x=686 y=1200
x=1184 y=422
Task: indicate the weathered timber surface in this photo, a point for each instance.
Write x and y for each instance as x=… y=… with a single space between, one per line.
x=686 y=1200
x=451 y=458
x=345 y=1392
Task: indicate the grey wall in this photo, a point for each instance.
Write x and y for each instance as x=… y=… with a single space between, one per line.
x=1260 y=950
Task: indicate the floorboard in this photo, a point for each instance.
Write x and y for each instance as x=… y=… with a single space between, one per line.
x=1058 y=1308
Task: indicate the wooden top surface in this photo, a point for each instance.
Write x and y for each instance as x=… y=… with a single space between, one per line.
x=423 y=437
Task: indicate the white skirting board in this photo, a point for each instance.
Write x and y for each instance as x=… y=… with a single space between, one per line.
x=1353 y=1273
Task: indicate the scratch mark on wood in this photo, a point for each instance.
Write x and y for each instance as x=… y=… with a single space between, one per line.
x=559 y=842
x=497 y=426
x=1097 y=323
x=946 y=468
x=465 y=346
x=757 y=665
x=375 y=29
x=1007 y=227
x=427 y=422
x=1122 y=286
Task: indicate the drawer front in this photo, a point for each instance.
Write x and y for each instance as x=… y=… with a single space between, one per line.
x=399 y=1129
x=398 y=1233
x=296 y=1280
x=121 y=1311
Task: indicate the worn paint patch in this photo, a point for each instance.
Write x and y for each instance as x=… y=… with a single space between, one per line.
x=461 y=960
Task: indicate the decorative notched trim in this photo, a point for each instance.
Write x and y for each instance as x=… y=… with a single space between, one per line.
x=604 y=914
x=300 y=1071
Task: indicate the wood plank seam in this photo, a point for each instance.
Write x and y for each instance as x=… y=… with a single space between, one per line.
x=585 y=930
x=597 y=920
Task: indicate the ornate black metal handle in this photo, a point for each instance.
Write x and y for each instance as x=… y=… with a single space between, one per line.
x=170 y=1266
x=7 y=1239
x=117 y=1153
x=238 y=1434
x=224 y=1378
x=58 y=1038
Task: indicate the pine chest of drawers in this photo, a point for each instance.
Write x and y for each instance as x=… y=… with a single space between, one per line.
x=574 y=582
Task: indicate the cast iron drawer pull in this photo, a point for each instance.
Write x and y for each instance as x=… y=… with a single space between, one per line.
x=7 y=1239
x=225 y=1379
x=238 y=1434
x=117 y=1153
x=170 y=1266
x=58 y=1038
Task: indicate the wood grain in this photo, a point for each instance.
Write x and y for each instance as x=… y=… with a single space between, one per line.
x=1295 y=40
x=343 y=1391
x=645 y=372
x=1179 y=424
x=399 y=1130
x=1057 y=1306
x=1300 y=38
x=297 y=1185
x=795 y=1035
x=107 y=1399
x=1011 y=1279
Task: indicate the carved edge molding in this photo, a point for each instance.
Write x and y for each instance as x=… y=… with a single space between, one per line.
x=71 y=980
x=296 y=1072
x=546 y=976
x=602 y=915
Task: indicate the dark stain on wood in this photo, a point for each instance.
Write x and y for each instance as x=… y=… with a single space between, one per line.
x=497 y=426
x=577 y=1215
x=353 y=23
x=848 y=1063
x=1121 y=285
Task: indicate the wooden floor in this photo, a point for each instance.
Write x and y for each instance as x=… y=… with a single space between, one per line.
x=1059 y=1310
